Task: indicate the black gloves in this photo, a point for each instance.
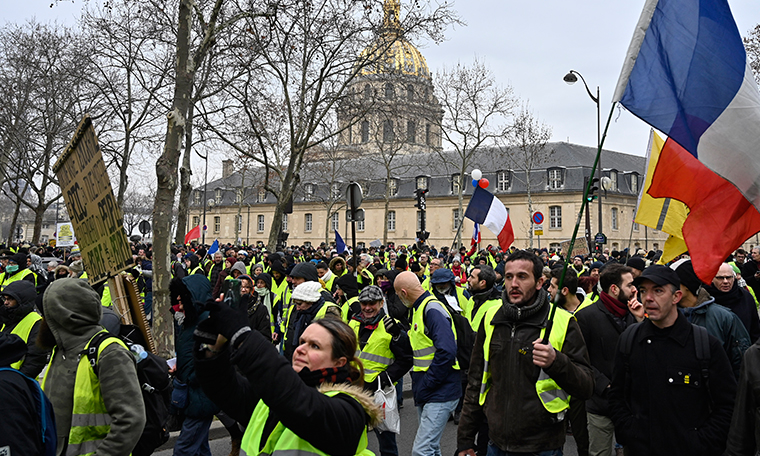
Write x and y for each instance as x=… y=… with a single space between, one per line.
x=391 y=327
x=223 y=320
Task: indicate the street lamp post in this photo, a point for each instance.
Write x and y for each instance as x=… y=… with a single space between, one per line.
x=571 y=78
x=205 y=184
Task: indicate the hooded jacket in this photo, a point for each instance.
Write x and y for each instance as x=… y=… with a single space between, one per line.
x=72 y=311
x=25 y=295
x=195 y=291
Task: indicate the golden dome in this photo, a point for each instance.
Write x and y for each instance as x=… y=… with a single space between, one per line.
x=398 y=55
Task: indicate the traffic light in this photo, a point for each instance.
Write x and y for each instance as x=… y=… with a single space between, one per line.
x=597 y=248
x=594 y=188
x=421 y=199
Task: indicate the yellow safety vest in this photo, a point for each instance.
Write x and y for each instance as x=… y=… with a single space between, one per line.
x=90 y=421
x=422 y=346
x=376 y=355
x=475 y=320
x=17 y=276
x=282 y=441
x=23 y=329
x=320 y=314
x=346 y=307
x=554 y=398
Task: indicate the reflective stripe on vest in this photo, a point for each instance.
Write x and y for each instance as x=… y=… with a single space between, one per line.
x=554 y=399
x=282 y=441
x=422 y=346
x=376 y=355
x=477 y=319
x=346 y=307
x=23 y=329
x=90 y=421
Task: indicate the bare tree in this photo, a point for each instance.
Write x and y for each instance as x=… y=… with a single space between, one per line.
x=136 y=207
x=752 y=45
x=475 y=113
x=525 y=148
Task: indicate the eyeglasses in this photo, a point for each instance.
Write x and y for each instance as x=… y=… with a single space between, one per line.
x=722 y=278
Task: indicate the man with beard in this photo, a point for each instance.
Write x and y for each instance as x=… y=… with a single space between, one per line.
x=729 y=294
x=484 y=294
x=95 y=411
x=513 y=373
x=568 y=298
x=601 y=323
x=17 y=316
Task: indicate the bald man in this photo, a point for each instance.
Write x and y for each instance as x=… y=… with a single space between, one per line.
x=435 y=376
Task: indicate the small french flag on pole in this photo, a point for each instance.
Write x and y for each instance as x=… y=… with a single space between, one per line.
x=485 y=209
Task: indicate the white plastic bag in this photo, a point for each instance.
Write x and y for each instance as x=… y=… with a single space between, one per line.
x=386 y=399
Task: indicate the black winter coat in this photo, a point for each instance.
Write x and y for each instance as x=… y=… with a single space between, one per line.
x=601 y=331
x=661 y=405
x=744 y=436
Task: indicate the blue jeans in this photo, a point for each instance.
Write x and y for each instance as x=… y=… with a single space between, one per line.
x=432 y=419
x=193 y=439
x=387 y=443
x=493 y=450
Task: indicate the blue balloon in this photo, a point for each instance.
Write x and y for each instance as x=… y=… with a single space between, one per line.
x=474 y=183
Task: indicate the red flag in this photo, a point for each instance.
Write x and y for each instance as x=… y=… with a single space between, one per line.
x=195 y=233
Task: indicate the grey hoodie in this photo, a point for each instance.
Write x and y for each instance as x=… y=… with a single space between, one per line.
x=72 y=311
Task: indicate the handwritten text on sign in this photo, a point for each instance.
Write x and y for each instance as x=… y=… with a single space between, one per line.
x=97 y=219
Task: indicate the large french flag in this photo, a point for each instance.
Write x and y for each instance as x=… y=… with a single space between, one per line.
x=486 y=210
x=686 y=74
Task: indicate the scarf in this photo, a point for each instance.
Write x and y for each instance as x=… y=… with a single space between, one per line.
x=615 y=307
x=514 y=313
x=328 y=374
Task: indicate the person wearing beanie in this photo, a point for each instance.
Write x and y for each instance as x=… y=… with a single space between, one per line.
x=346 y=295
x=256 y=298
x=637 y=264
x=701 y=309
x=660 y=398
x=308 y=305
x=595 y=269
x=17 y=270
x=18 y=316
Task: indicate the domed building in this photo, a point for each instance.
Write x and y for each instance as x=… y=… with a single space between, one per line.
x=392 y=107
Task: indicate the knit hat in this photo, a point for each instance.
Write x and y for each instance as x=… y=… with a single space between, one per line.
x=305 y=271
x=308 y=292
x=685 y=272
x=371 y=293
x=348 y=284
x=636 y=263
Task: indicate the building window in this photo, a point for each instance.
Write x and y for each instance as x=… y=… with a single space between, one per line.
x=196 y=220
x=335 y=221
x=456 y=218
x=307 y=223
x=410 y=92
x=389 y=91
x=419 y=220
x=555 y=178
x=365 y=131
x=284 y=222
x=422 y=182
x=197 y=197
x=614 y=215
x=635 y=226
x=360 y=225
x=261 y=196
x=555 y=217
x=388 y=131
x=503 y=181
x=427 y=134
x=308 y=192
x=393 y=187
x=613 y=180
x=239 y=219
x=411 y=132
x=367 y=92
x=455 y=184
x=260 y=227
x=238 y=195
x=634 y=183
x=391 y=220
x=217 y=224
x=615 y=246
x=218 y=196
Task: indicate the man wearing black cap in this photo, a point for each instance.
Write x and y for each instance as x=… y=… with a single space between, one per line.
x=661 y=400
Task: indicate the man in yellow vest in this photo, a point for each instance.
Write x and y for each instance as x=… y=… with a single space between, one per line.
x=17 y=316
x=17 y=270
x=97 y=410
x=385 y=352
x=515 y=373
x=436 y=381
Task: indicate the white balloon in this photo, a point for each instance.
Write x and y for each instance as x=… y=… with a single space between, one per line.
x=477 y=174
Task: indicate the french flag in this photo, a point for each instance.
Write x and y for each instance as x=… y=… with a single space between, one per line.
x=485 y=209
x=475 y=235
x=686 y=74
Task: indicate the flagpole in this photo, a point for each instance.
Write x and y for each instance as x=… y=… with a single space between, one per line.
x=586 y=191
x=461 y=223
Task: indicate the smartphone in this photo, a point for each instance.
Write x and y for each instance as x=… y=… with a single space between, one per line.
x=232 y=293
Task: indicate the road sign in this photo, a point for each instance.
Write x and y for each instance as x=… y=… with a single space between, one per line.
x=538 y=218
x=354 y=195
x=144 y=227
x=600 y=238
x=538 y=230
x=358 y=215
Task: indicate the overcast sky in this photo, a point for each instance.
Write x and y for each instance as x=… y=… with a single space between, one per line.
x=529 y=45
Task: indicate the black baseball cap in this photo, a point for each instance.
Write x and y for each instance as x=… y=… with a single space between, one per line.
x=659 y=274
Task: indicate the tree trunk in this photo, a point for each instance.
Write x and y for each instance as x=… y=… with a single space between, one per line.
x=166 y=173
x=14 y=219
x=124 y=168
x=387 y=205
x=186 y=187
x=39 y=215
x=530 y=215
x=458 y=239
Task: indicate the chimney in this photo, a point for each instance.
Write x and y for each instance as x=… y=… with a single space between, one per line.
x=226 y=168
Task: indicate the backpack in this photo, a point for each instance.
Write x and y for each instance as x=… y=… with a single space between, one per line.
x=156 y=386
x=46 y=413
x=465 y=336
